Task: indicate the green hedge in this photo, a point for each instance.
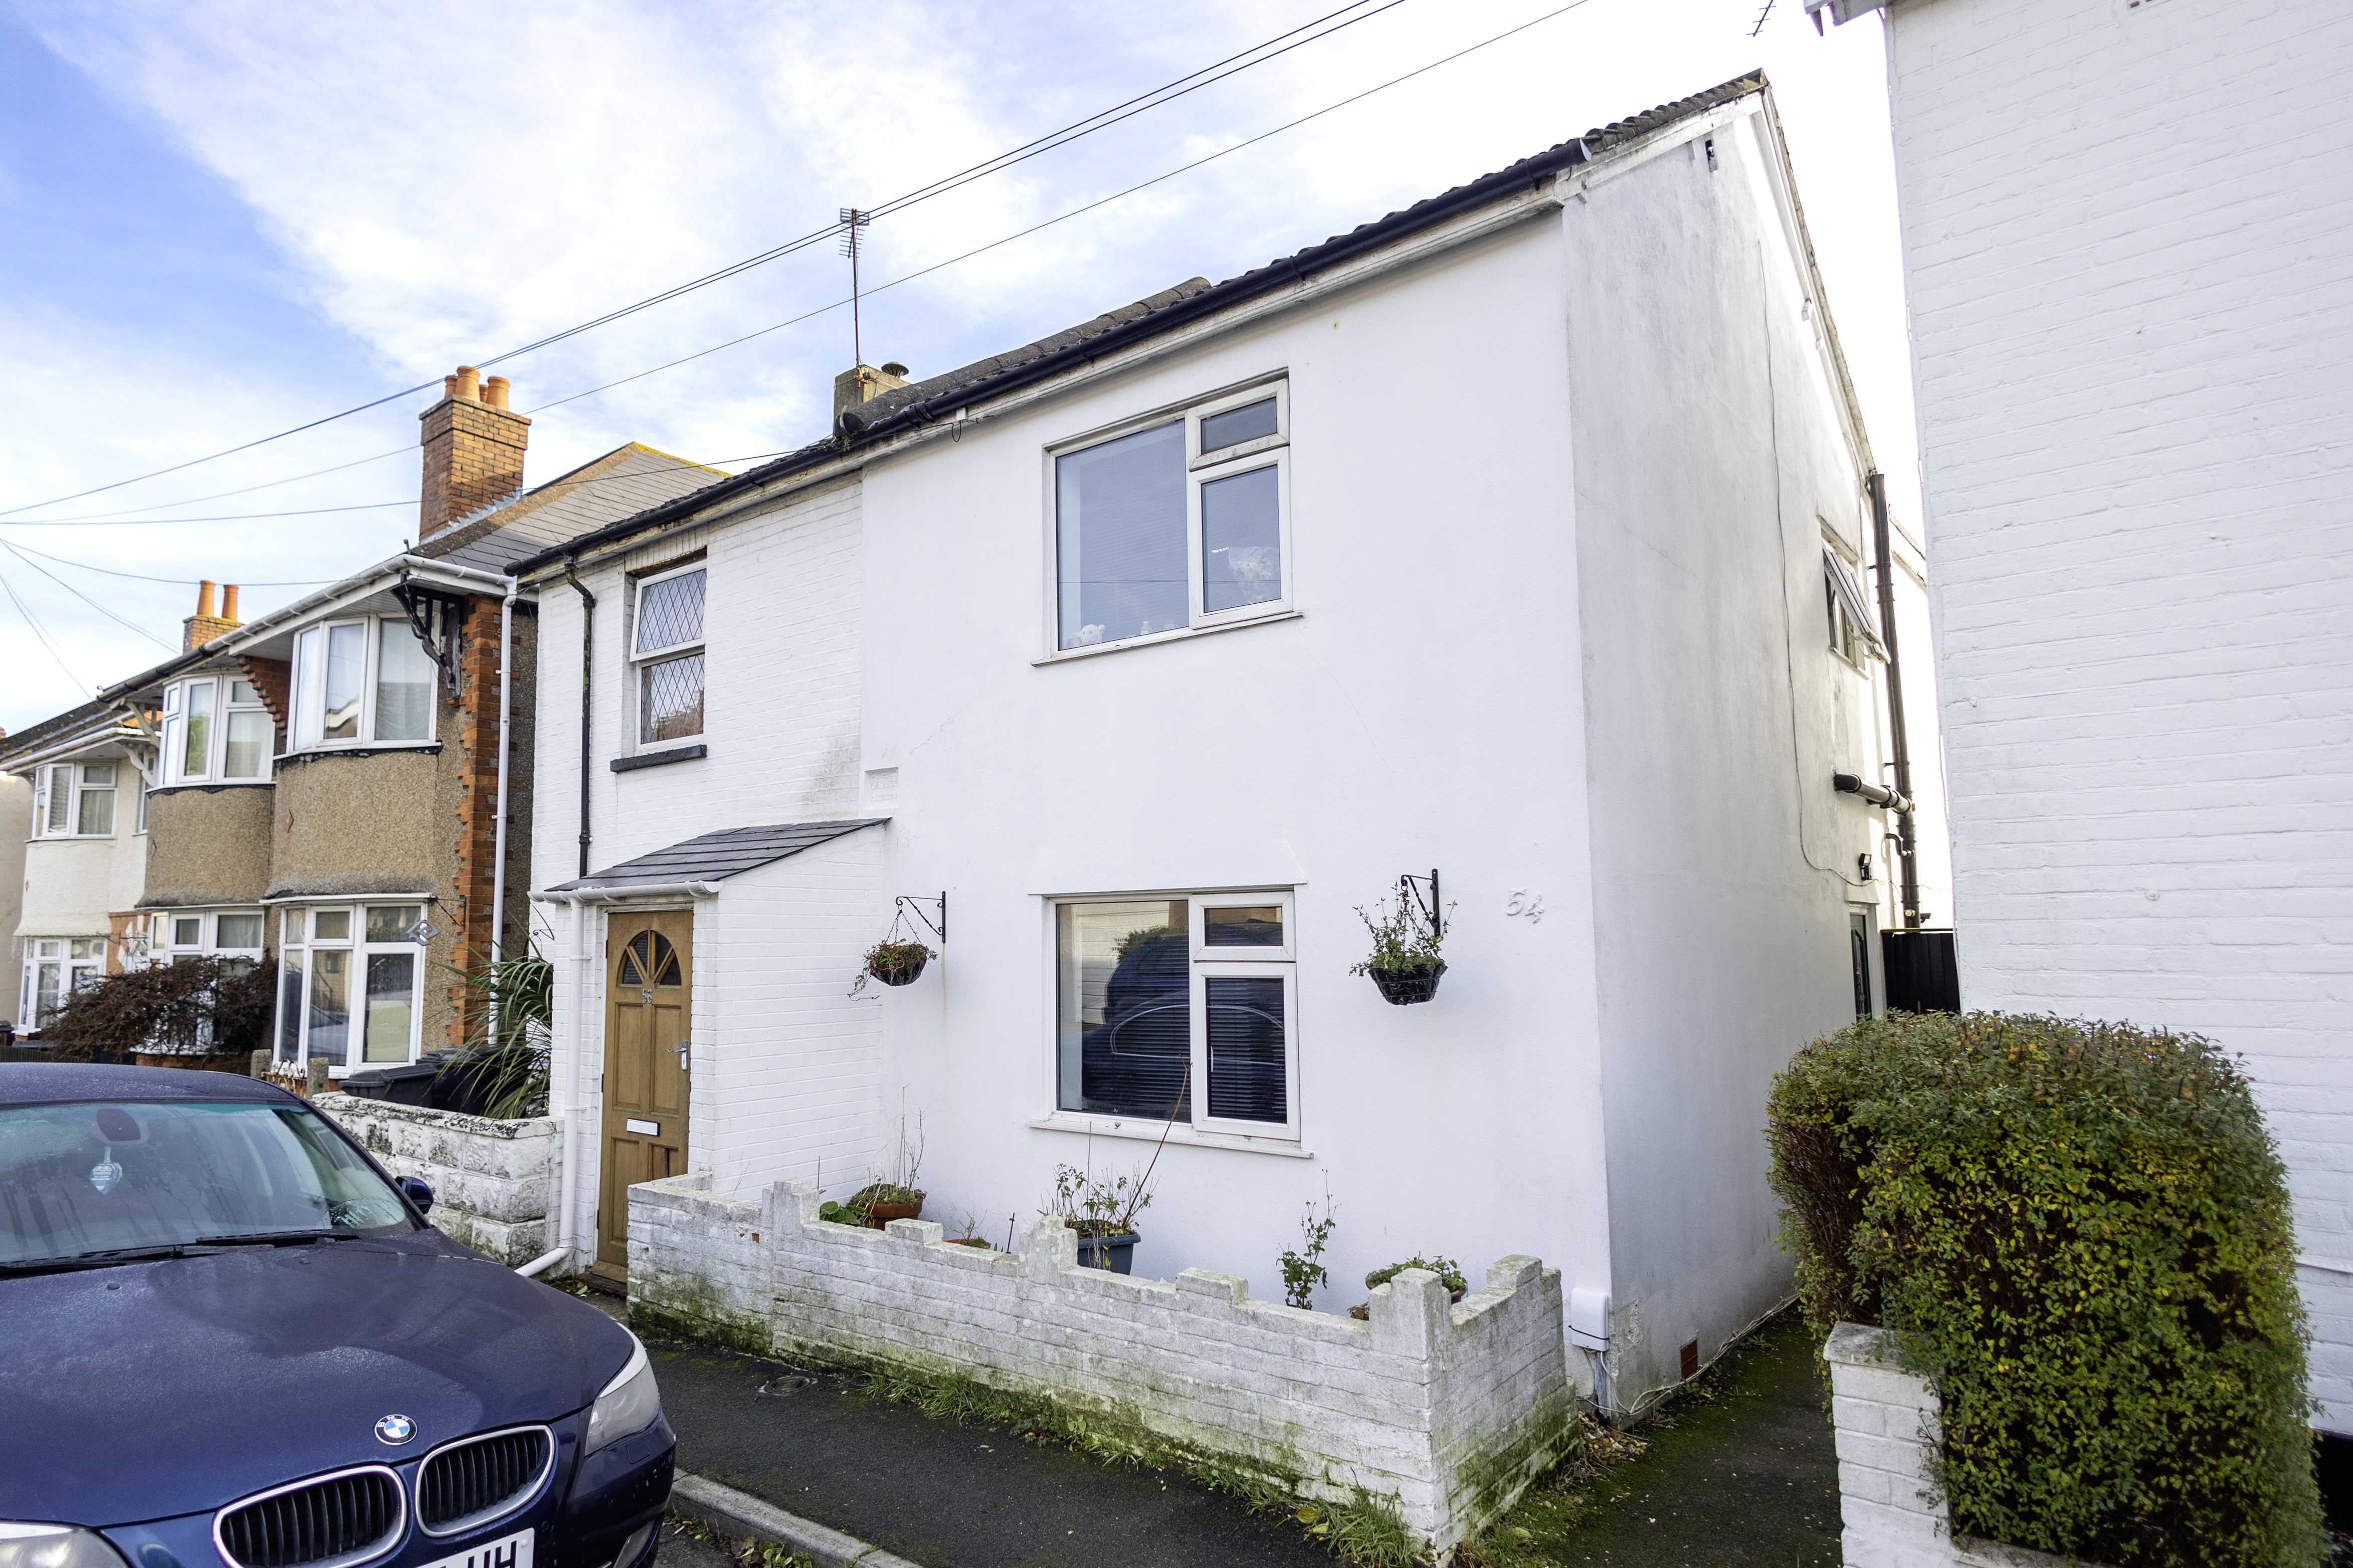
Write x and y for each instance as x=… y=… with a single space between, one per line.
x=2082 y=1231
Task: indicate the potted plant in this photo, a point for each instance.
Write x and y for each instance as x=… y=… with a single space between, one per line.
x=1103 y=1213
x=1404 y=962
x=886 y=1198
x=1449 y=1272
x=893 y=963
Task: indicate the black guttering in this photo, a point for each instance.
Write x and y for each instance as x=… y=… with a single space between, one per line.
x=1526 y=176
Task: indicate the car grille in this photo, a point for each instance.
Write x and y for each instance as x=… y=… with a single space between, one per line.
x=471 y=1482
x=335 y=1519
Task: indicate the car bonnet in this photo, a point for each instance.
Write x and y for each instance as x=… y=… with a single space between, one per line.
x=148 y=1390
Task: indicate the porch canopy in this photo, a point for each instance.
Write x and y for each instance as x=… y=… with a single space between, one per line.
x=715 y=857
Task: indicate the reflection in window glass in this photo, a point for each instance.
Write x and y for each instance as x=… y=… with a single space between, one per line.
x=1236 y=425
x=1124 y=1008
x=404 y=685
x=306 y=689
x=346 y=659
x=1246 y=1050
x=390 y=979
x=669 y=704
x=331 y=925
x=1120 y=537
x=195 y=758
x=231 y=932
x=249 y=745
x=390 y=923
x=290 y=1005
x=1241 y=541
x=331 y=1004
x=1258 y=925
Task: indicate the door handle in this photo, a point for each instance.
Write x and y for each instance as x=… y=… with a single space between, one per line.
x=680 y=1049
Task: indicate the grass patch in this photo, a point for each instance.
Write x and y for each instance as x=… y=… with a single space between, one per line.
x=749 y=1552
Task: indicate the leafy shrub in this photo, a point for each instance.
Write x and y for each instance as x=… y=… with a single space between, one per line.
x=507 y=1077
x=1403 y=941
x=1449 y=1272
x=199 y=1007
x=2081 y=1233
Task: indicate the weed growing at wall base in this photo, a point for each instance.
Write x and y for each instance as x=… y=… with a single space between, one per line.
x=2081 y=1232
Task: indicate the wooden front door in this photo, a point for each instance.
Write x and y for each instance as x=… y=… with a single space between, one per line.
x=650 y=959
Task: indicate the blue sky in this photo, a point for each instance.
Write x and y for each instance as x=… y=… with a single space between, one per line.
x=226 y=219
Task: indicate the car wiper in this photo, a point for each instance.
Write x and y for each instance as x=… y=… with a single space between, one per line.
x=271 y=1239
x=200 y=1247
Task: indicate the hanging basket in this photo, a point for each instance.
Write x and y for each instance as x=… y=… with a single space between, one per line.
x=906 y=971
x=1403 y=987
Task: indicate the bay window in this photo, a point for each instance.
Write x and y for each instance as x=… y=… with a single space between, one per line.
x=666 y=650
x=216 y=729
x=59 y=966
x=1181 y=525
x=1179 y=1008
x=361 y=682
x=179 y=935
x=350 y=984
x=75 y=800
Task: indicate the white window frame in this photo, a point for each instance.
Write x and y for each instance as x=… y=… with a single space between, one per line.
x=306 y=702
x=56 y=954
x=1200 y=469
x=68 y=783
x=1205 y=962
x=177 y=701
x=640 y=661
x=164 y=947
x=295 y=926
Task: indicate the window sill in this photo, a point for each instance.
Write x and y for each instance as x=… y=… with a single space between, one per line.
x=656 y=759
x=210 y=787
x=1152 y=1132
x=372 y=749
x=1063 y=656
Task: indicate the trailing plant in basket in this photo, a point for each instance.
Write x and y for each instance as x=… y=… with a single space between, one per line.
x=893 y=963
x=2081 y=1233
x=1402 y=941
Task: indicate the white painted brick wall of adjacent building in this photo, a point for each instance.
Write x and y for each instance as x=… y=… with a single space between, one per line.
x=1890 y=1423
x=493 y=1182
x=2129 y=234
x=1449 y=1411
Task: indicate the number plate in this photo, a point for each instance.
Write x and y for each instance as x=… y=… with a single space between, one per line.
x=511 y=1551
x=650 y=1128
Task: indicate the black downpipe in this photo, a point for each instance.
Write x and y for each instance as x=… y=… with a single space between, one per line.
x=1907 y=856
x=587 y=689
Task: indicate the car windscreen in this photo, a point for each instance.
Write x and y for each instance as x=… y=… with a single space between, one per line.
x=79 y=1178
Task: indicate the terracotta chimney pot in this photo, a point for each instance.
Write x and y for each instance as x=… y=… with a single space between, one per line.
x=469 y=385
x=228 y=603
x=473 y=450
x=494 y=392
x=204 y=599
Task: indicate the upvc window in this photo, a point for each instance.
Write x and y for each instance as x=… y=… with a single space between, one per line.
x=1180 y=1007
x=75 y=800
x=217 y=729
x=666 y=650
x=179 y=935
x=59 y=966
x=361 y=682
x=350 y=985
x=1182 y=525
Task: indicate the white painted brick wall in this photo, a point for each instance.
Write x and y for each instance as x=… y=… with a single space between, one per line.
x=493 y=1182
x=1890 y=1423
x=2125 y=230
x=1449 y=1411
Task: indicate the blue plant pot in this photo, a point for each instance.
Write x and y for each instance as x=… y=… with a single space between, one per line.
x=1116 y=1253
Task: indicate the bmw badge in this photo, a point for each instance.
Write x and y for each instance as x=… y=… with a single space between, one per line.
x=394 y=1430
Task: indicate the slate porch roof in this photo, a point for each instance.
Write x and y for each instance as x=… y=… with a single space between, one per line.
x=715 y=857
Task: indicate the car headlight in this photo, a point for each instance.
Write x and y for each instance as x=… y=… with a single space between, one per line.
x=55 y=1546
x=629 y=1404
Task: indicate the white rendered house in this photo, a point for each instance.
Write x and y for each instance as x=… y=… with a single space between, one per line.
x=2128 y=246
x=85 y=855
x=1143 y=656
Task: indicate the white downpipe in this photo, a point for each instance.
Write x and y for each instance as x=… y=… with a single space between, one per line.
x=532 y=1267
x=498 y=822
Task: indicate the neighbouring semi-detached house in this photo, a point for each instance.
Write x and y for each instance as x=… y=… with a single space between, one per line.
x=2128 y=253
x=16 y=804
x=85 y=853
x=328 y=780
x=1140 y=657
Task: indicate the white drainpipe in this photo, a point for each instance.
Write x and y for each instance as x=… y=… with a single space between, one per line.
x=498 y=828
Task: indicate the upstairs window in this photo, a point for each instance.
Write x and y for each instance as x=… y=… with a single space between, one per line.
x=75 y=800
x=1181 y=525
x=667 y=654
x=364 y=682
x=1179 y=1008
x=1848 y=616
x=216 y=729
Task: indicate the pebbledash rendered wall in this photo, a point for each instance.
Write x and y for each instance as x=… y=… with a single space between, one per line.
x=1890 y=1423
x=1446 y=1411
x=493 y=1182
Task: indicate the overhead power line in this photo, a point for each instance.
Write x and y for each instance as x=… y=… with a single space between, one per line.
x=85 y=599
x=42 y=633
x=1169 y=92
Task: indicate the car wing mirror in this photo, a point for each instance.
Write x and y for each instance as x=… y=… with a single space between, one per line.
x=416 y=1191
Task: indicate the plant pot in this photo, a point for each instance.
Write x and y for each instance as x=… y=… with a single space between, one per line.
x=901 y=974
x=1403 y=987
x=1116 y=1253
x=880 y=1215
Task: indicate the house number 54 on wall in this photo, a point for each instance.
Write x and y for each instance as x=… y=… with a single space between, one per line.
x=1525 y=905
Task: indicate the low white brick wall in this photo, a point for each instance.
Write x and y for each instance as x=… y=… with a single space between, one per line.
x=1447 y=1411
x=1890 y=1425
x=493 y=1182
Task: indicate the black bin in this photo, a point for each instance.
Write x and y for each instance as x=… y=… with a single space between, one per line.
x=402 y=1085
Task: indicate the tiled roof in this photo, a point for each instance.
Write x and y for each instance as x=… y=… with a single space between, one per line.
x=1169 y=308
x=715 y=857
x=624 y=481
x=52 y=730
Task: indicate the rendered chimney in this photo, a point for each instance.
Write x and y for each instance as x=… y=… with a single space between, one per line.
x=205 y=625
x=858 y=382
x=473 y=450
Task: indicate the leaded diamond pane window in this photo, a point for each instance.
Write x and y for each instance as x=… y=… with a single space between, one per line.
x=670 y=612
x=670 y=705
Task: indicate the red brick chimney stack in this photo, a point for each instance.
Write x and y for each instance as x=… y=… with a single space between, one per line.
x=473 y=449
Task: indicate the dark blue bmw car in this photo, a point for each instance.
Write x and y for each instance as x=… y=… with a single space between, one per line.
x=229 y=1340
